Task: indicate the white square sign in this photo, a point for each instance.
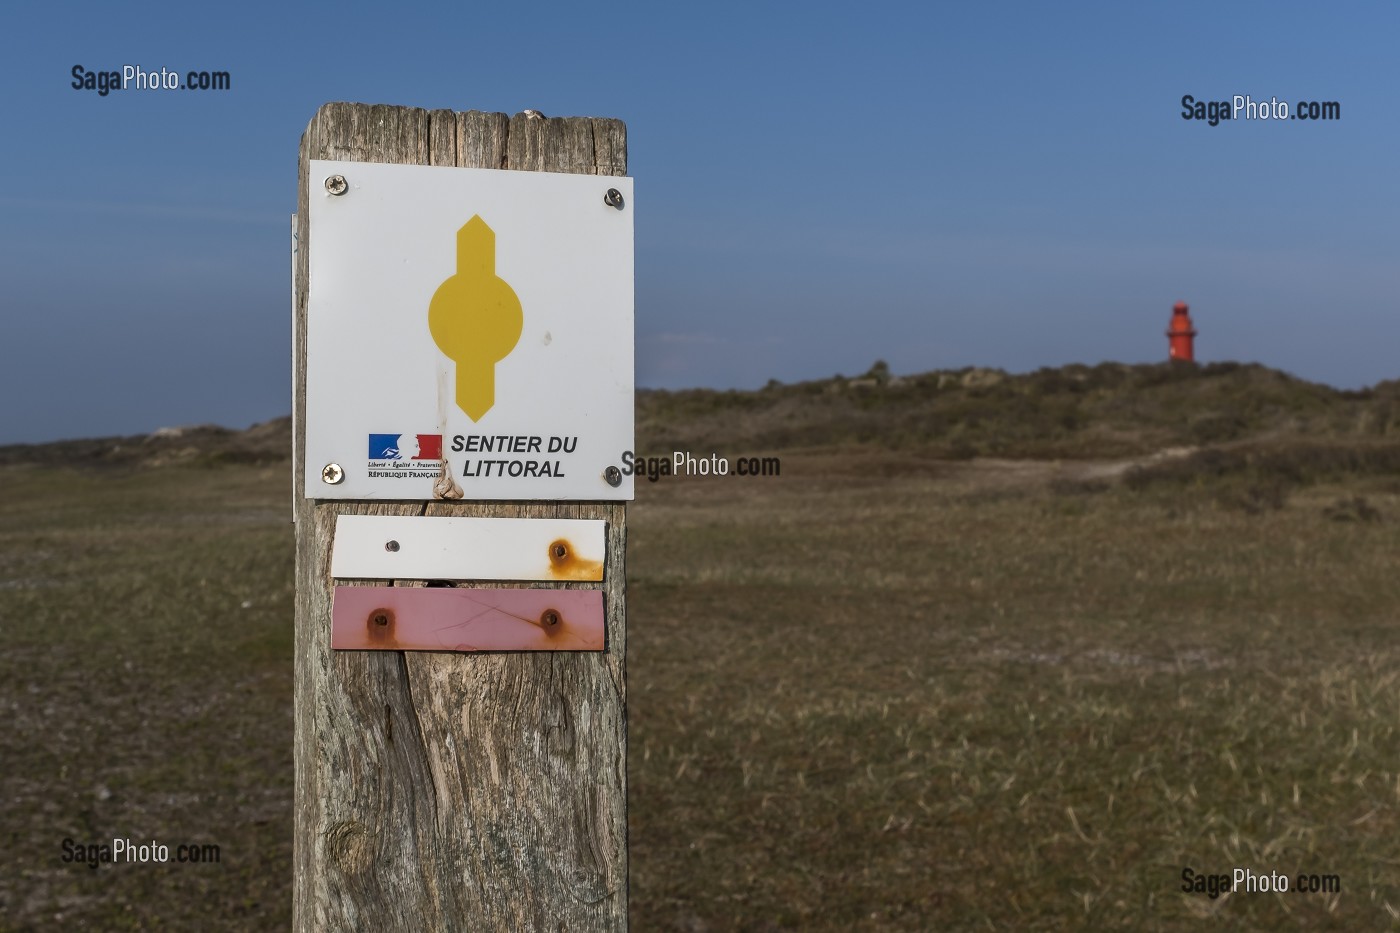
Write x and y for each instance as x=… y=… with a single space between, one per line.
x=467 y=330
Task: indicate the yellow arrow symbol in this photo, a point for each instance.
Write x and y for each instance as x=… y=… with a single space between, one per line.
x=475 y=318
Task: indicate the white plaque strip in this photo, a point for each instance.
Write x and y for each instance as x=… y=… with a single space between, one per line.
x=389 y=547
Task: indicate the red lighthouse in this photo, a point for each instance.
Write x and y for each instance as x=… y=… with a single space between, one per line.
x=1181 y=335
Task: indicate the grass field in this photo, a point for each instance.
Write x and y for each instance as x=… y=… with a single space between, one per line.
x=887 y=694
x=882 y=691
x=146 y=681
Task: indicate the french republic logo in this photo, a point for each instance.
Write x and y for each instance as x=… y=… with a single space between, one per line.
x=405 y=446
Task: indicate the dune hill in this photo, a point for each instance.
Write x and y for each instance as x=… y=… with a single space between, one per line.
x=1110 y=410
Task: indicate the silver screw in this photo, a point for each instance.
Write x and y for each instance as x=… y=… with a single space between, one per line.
x=613 y=198
x=613 y=475
x=391 y=546
x=337 y=184
x=332 y=474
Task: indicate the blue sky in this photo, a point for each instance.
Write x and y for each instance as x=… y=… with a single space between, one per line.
x=819 y=186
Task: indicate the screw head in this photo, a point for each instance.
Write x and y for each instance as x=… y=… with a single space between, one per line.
x=613 y=475
x=332 y=474
x=391 y=546
x=337 y=185
x=613 y=198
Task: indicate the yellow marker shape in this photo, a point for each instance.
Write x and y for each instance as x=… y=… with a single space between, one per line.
x=475 y=318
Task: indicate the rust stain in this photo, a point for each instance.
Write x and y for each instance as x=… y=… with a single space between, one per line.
x=379 y=627
x=565 y=564
x=551 y=622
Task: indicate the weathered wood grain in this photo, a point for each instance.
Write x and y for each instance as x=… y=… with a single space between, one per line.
x=436 y=791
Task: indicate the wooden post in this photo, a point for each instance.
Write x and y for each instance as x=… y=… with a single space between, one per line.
x=440 y=791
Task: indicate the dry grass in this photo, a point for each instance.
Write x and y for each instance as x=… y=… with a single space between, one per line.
x=958 y=701
x=146 y=682
x=880 y=692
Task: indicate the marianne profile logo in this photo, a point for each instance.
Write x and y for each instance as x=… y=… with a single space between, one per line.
x=386 y=447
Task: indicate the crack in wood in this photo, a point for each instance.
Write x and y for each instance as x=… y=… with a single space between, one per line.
x=374 y=848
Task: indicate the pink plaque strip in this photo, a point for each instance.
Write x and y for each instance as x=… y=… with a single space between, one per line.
x=415 y=618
